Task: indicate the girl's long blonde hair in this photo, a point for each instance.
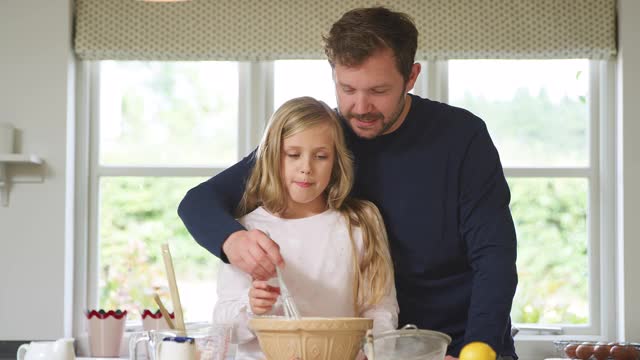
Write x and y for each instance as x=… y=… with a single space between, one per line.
x=264 y=188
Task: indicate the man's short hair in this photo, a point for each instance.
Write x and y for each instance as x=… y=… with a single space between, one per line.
x=361 y=32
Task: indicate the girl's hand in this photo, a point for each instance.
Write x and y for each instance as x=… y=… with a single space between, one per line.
x=262 y=296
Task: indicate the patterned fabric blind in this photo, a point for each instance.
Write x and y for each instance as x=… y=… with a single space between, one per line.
x=292 y=29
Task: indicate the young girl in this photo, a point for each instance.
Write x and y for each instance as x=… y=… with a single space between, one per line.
x=335 y=247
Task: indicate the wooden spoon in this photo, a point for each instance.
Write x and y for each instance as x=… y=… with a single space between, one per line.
x=173 y=287
x=163 y=310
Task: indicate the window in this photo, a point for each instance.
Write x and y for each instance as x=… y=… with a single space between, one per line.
x=540 y=114
x=168 y=114
x=293 y=78
x=536 y=111
x=163 y=127
x=166 y=126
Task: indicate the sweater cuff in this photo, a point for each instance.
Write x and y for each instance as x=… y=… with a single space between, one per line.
x=223 y=256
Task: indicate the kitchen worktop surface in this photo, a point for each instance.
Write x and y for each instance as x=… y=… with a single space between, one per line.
x=92 y=358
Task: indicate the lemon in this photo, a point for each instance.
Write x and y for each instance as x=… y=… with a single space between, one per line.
x=477 y=351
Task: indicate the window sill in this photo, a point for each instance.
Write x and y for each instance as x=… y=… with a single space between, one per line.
x=536 y=347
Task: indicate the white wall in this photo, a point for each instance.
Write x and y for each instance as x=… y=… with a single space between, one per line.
x=36 y=96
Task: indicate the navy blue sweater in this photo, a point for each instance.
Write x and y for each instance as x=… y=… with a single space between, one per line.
x=440 y=187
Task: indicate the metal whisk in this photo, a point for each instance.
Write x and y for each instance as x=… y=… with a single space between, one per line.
x=290 y=308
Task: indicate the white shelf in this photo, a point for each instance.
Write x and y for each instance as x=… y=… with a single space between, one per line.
x=9 y=159
x=20 y=158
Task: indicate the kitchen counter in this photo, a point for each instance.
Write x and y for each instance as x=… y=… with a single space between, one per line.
x=92 y=358
x=230 y=357
x=77 y=358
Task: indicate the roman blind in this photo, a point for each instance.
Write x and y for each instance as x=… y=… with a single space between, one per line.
x=244 y=30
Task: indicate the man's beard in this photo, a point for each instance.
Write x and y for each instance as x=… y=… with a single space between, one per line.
x=368 y=117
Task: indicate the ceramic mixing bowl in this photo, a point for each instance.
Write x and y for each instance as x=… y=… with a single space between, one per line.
x=310 y=338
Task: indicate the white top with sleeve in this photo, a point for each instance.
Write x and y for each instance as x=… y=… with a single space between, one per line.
x=319 y=275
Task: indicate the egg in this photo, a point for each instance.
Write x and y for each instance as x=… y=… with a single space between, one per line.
x=633 y=352
x=584 y=351
x=570 y=350
x=601 y=352
x=619 y=352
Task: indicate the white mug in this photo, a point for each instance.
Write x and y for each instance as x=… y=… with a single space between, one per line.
x=211 y=341
x=51 y=350
x=176 y=348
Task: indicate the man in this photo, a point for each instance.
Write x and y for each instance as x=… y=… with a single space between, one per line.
x=433 y=171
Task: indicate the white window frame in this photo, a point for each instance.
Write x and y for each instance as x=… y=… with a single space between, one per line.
x=535 y=342
x=253 y=111
x=256 y=90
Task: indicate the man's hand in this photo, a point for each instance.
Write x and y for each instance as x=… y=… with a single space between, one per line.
x=254 y=253
x=262 y=297
x=449 y=357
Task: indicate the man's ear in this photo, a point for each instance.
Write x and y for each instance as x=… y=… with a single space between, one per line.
x=413 y=76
